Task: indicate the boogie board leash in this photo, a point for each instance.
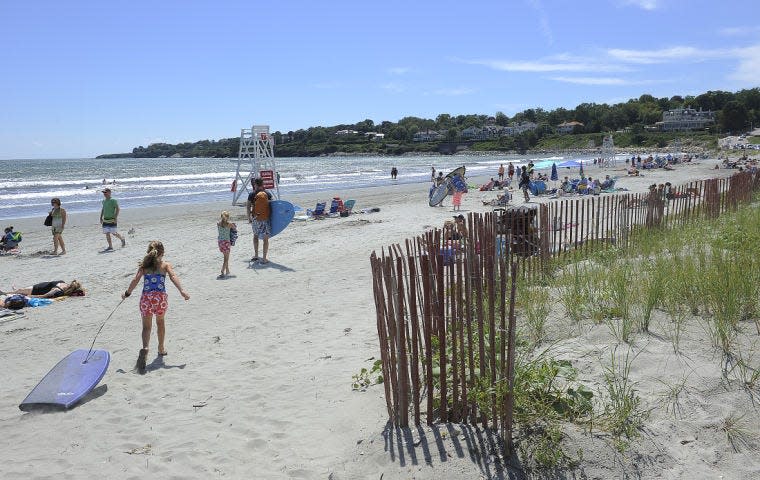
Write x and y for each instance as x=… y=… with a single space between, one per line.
x=87 y=357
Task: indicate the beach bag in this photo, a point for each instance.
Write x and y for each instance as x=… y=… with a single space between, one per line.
x=48 y=220
x=233 y=236
x=15 y=302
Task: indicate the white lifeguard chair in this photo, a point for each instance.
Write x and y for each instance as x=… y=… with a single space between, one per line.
x=608 y=152
x=255 y=159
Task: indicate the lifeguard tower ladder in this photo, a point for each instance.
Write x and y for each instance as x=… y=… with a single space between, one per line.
x=608 y=152
x=677 y=149
x=255 y=159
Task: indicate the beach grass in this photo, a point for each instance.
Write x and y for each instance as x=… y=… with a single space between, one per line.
x=703 y=273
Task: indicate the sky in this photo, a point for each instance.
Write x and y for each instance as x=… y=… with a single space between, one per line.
x=83 y=78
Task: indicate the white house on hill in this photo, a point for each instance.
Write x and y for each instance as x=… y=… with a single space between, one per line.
x=568 y=127
x=683 y=119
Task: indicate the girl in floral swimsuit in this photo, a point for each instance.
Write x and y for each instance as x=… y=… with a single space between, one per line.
x=225 y=230
x=154 y=300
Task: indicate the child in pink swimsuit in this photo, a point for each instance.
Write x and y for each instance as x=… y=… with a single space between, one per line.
x=225 y=237
x=154 y=301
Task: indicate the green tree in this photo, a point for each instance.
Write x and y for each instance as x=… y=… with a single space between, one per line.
x=733 y=117
x=443 y=121
x=365 y=126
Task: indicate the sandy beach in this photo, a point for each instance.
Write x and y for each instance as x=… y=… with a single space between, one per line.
x=257 y=382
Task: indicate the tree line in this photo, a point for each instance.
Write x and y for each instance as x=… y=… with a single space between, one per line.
x=735 y=112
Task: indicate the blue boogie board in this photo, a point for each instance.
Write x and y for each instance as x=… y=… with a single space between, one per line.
x=70 y=380
x=281 y=214
x=458 y=183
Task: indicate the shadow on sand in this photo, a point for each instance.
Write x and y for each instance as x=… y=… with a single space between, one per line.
x=159 y=363
x=269 y=265
x=418 y=445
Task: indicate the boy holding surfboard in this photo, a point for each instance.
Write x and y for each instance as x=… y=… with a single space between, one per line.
x=259 y=212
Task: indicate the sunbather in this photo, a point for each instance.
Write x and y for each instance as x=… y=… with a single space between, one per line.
x=54 y=289
x=500 y=201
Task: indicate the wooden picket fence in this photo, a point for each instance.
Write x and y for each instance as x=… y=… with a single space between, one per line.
x=445 y=308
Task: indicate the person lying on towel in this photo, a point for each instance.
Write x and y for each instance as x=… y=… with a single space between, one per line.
x=54 y=289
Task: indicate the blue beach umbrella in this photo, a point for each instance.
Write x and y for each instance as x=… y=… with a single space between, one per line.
x=570 y=163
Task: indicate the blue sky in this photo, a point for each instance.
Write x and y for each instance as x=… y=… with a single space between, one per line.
x=83 y=78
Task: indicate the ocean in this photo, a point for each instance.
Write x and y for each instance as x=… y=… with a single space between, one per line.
x=27 y=186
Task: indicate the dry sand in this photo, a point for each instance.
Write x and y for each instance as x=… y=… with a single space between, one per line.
x=257 y=383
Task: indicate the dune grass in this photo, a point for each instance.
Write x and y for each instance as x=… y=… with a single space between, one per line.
x=706 y=272
x=709 y=268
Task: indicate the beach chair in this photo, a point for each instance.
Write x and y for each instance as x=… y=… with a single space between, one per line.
x=348 y=207
x=319 y=210
x=335 y=206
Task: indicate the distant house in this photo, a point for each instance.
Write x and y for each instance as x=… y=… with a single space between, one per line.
x=684 y=119
x=346 y=132
x=567 y=127
x=472 y=133
x=428 y=136
x=375 y=137
x=518 y=128
x=489 y=132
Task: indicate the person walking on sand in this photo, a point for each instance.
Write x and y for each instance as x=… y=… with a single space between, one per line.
x=524 y=182
x=501 y=172
x=432 y=174
x=510 y=172
x=154 y=301
x=109 y=216
x=59 y=221
x=457 y=200
x=224 y=239
x=258 y=211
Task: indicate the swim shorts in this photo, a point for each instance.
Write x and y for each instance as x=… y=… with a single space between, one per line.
x=261 y=228
x=153 y=303
x=109 y=227
x=224 y=246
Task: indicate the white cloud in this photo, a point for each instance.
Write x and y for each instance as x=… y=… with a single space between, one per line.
x=328 y=85
x=665 y=55
x=738 y=31
x=740 y=64
x=393 y=87
x=542 y=66
x=399 y=70
x=591 y=80
x=644 y=4
x=604 y=81
x=452 y=92
x=543 y=20
x=746 y=72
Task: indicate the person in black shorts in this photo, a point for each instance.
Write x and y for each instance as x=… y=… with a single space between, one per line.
x=53 y=289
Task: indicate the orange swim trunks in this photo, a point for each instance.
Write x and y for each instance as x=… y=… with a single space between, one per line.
x=153 y=303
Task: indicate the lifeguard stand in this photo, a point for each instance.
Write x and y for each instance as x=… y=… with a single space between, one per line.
x=608 y=152
x=677 y=149
x=255 y=159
